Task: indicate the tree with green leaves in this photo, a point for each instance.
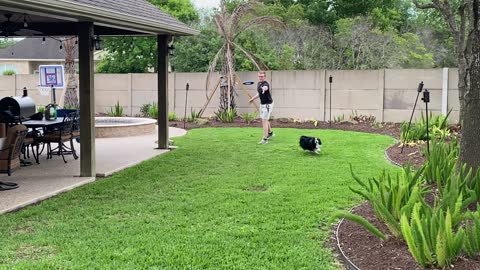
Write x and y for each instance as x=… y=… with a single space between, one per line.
x=139 y=54
x=6 y=43
x=463 y=20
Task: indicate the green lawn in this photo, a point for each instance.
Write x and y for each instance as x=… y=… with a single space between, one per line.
x=220 y=201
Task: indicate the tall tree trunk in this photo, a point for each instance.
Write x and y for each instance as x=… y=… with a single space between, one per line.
x=227 y=90
x=469 y=88
x=71 y=98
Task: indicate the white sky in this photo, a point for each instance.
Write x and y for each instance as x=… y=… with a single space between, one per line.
x=206 y=3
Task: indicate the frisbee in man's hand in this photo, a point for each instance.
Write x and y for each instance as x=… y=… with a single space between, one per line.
x=248 y=83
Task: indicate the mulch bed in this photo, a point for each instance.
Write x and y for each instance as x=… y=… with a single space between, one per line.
x=362 y=248
x=367 y=251
x=390 y=129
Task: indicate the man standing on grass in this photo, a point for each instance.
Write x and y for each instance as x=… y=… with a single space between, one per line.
x=266 y=105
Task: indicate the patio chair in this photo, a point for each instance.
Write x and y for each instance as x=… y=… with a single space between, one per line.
x=60 y=136
x=12 y=146
x=31 y=141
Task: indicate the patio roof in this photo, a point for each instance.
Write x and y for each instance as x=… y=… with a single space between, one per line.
x=128 y=17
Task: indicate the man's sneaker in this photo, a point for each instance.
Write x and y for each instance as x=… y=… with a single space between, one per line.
x=263 y=141
x=270 y=134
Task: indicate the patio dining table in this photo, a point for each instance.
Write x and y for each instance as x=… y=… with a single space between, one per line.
x=34 y=124
x=41 y=124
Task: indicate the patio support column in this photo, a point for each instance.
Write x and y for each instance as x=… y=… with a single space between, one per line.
x=87 y=99
x=162 y=47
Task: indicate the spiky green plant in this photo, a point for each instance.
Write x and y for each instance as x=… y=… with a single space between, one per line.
x=431 y=236
x=153 y=110
x=391 y=197
x=441 y=161
x=437 y=127
x=363 y=222
x=472 y=233
x=227 y=116
x=249 y=117
x=116 y=111
x=172 y=116
x=193 y=115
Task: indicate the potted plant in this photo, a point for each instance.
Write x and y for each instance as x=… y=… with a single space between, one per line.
x=41 y=111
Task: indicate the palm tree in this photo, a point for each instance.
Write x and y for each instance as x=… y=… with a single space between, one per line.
x=71 y=98
x=229 y=27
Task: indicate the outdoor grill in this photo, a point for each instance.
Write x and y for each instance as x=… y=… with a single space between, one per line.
x=17 y=109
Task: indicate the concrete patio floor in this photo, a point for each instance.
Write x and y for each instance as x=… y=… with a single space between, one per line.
x=51 y=177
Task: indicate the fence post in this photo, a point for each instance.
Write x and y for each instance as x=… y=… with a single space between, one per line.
x=14 y=85
x=445 y=92
x=129 y=93
x=381 y=90
x=324 y=89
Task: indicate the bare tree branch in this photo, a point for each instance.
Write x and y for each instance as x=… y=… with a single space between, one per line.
x=211 y=69
x=220 y=23
x=239 y=12
x=260 y=21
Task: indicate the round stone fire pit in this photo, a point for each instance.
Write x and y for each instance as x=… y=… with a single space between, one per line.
x=107 y=127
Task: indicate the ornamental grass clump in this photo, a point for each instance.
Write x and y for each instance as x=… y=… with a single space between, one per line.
x=227 y=116
x=249 y=117
x=116 y=111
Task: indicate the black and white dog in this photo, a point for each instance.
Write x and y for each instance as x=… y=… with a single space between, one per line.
x=311 y=143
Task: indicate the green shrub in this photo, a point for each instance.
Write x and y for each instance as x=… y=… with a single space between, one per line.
x=41 y=109
x=437 y=127
x=339 y=118
x=153 y=111
x=172 y=116
x=144 y=110
x=193 y=116
x=227 y=116
x=249 y=117
x=9 y=72
x=116 y=111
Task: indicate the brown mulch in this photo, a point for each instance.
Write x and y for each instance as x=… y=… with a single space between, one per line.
x=411 y=154
x=390 y=129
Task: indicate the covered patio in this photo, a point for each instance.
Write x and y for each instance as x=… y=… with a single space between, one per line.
x=51 y=177
x=90 y=20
